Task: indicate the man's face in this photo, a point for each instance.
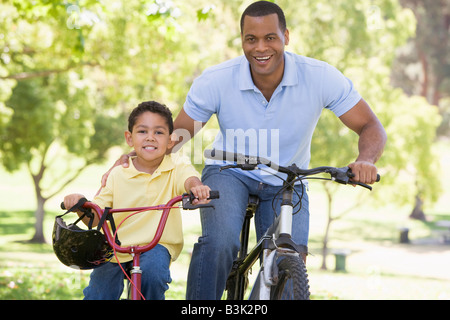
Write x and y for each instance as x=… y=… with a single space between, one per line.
x=263 y=44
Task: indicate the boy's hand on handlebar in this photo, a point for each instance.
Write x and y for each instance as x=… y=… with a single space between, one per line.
x=72 y=199
x=201 y=193
x=364 y=172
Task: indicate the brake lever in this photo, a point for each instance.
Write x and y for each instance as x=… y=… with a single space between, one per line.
x=362 y=185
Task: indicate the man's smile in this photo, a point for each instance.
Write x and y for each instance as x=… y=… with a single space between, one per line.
x=263 y=59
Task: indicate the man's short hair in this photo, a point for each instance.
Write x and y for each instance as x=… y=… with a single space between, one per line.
x=264 y=8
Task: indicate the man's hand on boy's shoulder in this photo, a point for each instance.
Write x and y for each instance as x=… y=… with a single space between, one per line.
x=122 y=161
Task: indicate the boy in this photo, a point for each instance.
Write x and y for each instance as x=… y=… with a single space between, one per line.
x=152 y=178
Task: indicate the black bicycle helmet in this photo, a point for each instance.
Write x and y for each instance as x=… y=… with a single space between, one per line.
x=78 y=248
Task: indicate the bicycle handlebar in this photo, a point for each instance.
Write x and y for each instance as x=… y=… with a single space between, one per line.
x=186 y=199
x=340 y=175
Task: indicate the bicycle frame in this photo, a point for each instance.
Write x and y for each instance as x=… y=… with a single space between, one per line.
x=135 y=251
x=276 y=239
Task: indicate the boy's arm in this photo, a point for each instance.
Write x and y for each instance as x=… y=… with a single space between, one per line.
x=200 y=191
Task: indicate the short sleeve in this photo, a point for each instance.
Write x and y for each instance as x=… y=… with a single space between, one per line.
x=105 y=197
x=339 y=92
x=201 y=101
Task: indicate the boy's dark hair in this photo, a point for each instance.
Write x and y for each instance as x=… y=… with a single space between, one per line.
x=150 y=106
x=264 y=8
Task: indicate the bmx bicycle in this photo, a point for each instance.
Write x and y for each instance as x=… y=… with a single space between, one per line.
x=105 y=219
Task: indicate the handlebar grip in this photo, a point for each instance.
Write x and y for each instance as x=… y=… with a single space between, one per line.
x=213 y=194
x=62 y=206
x=351 y=175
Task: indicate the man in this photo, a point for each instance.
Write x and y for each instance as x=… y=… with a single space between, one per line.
x=274 y=98
x=268 y=89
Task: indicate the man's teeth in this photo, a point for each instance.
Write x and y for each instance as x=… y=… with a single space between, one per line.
x=263 y=58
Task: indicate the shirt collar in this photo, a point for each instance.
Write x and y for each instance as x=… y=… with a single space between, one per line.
x=290 y=77
x=166 y=165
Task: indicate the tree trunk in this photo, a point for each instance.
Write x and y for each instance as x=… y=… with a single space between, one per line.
x=40 y=199
x=417 y=212
x=39 y=224
x=325 y=245
x=327 y=229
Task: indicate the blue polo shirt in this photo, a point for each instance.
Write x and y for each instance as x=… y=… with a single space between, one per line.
x=280 y=129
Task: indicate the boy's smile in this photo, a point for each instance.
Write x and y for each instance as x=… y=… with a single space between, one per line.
x=150 y=139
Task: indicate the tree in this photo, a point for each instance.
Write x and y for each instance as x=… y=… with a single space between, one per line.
x=46 y=118
x=360 y=38
x=430 y=48
x=423 y=66
x=69 y=73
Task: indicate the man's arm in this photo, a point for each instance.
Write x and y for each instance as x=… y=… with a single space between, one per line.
x=184 y=128
x=372 y=139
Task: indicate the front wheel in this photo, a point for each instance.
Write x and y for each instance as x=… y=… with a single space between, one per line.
x=292 y=280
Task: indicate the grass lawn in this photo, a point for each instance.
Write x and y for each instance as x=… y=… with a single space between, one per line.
x=378 y=267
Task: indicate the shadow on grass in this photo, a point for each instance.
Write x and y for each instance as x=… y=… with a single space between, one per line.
x=16 y=230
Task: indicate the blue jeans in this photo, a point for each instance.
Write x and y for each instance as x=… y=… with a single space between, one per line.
x=107 y=281
x=216 y=249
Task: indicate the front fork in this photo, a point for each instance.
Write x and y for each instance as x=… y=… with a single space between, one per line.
x=136 y=275
x=282 y=246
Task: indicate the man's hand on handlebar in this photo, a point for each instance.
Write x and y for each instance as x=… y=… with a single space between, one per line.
x=364 y=172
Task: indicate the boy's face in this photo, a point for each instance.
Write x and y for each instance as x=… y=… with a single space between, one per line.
x=150 y=138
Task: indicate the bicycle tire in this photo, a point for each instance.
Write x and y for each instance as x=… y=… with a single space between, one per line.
x=230 y=287
x=293 y=283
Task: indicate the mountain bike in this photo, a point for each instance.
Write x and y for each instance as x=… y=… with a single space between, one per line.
x=282 y=275
x=105 y=218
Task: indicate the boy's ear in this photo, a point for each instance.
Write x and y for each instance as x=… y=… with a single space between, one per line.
x=128 y=138
x=172 y=140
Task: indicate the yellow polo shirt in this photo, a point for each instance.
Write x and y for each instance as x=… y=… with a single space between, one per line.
x=128 y=187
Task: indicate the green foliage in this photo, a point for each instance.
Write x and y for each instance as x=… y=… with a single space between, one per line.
x=70 y=72
x=360 y=38
x=25 y=283
x=50 y=109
